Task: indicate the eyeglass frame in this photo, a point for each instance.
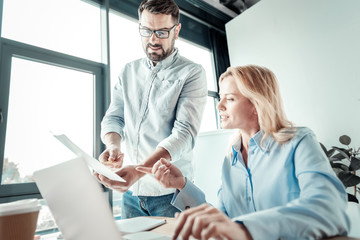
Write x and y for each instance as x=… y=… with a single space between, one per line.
x=155 y=31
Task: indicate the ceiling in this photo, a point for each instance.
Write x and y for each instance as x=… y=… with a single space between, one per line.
x=216 y=13
x=231 y=8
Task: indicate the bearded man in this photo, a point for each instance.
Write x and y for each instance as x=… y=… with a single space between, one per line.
x=156 y=109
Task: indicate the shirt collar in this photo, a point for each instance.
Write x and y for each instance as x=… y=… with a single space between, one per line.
x=255 y=140
x=266 y=145
x=164 y=63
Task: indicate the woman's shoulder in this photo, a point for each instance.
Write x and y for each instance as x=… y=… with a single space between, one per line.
x=302 y=132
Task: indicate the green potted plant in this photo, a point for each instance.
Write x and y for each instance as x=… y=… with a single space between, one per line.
x=345 y=162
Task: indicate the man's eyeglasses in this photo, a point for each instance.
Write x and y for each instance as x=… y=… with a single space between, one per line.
x=145 y=32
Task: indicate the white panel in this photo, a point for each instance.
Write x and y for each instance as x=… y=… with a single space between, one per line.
x=209 y=153
x=313 y=48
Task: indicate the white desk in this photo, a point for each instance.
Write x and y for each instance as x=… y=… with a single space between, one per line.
x=167 y=229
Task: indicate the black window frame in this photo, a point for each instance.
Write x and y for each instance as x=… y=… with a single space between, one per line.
x=10 y=49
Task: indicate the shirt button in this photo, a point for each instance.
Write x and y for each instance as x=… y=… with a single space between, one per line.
x=249 y=198
x=187 y=207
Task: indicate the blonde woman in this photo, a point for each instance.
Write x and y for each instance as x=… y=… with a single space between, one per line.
x=276 y=181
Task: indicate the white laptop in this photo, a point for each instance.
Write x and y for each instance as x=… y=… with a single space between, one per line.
x=78 y=204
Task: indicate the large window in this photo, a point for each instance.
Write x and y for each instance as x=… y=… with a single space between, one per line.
x=67 y=26
x=46 y=90
x=51 y=80
x=52 y=99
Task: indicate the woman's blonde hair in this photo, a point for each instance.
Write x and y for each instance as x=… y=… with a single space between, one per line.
x=260 y=86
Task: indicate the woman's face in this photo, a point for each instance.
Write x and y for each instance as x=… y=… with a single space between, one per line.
x=236 y=111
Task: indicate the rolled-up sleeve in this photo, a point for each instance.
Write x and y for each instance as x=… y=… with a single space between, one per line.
x=113 y=120
x=190 y=108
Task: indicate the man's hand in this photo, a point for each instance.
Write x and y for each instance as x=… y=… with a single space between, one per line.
x=112 y=157
x=205 y=222
x=166 y=173
x=128 y=173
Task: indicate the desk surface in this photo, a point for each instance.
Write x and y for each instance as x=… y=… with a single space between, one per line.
x=168 y=227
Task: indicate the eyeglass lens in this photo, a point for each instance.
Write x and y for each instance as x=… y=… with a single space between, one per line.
x=158 y=33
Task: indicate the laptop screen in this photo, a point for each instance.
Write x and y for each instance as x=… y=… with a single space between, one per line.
x=77 y=202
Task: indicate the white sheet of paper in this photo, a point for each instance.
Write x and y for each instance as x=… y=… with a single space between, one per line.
x=138 y=224
x=94 y=164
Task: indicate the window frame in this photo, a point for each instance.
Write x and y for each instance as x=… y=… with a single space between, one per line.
x=10 y=49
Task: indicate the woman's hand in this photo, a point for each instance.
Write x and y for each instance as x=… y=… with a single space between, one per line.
x=205 y=222
x=166 y=173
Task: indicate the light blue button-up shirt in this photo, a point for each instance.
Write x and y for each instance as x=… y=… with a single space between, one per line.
x=287 y=191
x=158 y=106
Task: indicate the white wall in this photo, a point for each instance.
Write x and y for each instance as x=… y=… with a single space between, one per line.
x=314 y=49
x=313 y=46
x=209 y=153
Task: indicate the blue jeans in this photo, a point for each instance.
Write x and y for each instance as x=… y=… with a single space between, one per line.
x=135 y=206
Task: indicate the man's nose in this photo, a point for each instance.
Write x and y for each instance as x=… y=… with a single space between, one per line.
x=153 y=38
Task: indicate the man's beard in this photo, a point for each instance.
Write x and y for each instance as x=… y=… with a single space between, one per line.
x=159 y=57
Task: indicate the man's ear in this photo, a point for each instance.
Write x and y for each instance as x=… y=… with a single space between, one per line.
x=177 y=30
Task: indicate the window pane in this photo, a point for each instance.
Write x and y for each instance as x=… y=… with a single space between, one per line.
x=46 y=223
x=208 y=122
x=123 y=49
x=45 y=98
x=117 y=198
x=67 y=26
x=199 y=55
x=125 y=43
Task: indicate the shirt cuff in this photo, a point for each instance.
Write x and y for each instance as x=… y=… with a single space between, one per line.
x=172 y=147
x=189 y=196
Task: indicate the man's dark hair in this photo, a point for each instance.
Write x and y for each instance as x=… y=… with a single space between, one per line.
x=167 y=7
